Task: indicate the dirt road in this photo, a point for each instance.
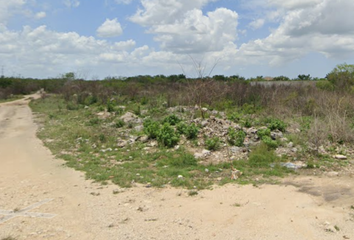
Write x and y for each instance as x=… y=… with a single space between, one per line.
x=42 y=199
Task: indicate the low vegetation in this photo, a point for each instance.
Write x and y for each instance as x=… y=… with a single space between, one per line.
x=160 y=131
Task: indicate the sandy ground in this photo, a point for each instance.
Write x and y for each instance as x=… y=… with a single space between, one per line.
x=42 y=199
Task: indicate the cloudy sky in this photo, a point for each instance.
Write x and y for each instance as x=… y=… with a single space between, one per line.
x=100 y=38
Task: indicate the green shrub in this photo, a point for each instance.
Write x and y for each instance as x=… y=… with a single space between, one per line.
x=172 y=120
x=270 y=142
x=167 y=136
x=181 y=128
x=247 y=123
x=184 y=160
x=263 y=132
x=276 y=124
x=212 y=144
x=235 y=117
x=119 y=124
x=262 y=156
x=110 y=107
x=191 y=131
x=151 y=128
x=236 y=138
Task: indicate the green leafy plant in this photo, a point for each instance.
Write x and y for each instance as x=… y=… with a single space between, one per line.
x=263 y=132
x=172 y=120
x=236 y=138
x=119 y=124
x=191 y=131
x=276 y=124
x=213 y=143
x=167 y=136
x=270 y=142
x=151 y=128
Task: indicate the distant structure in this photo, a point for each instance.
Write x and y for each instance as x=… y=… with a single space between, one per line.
x=268 y=78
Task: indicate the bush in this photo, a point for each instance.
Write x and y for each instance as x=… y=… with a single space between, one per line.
x=263 y=132
x=110 y=107
x=167 y=136
x=276 y=124
x=191 y=131
x=119 y=124
x=181 y=128
x=236 y=138
x=212 y=144
x=172 y=120
x=151 y=128
x=262 y=156
x=270 y=142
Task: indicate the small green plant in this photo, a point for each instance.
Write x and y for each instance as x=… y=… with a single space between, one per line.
x=236 y=138
x=212 y=144
x=262 y=156
x=172 y=120
x=263 y=132
x=191 y=131
x=270 y=142
x=151 y=128
x=181 y=128
x=110 y=107
x=119 y=124
x=247 y=123
x=235 y=117
x=276 y=124
x=167 y=136
x=192 y=193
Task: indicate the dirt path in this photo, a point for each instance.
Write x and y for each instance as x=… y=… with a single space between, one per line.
x=41 y=199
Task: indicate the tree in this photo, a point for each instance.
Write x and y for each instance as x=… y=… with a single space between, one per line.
x=69 y=76
x=342 y=76
x=304 y=77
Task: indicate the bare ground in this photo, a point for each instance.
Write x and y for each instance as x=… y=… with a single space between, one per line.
x=70 y=207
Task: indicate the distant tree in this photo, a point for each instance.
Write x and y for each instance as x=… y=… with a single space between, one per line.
x=219 y=78
x=342 y=76
x=69 y=76
x=281 y=78
x=304 y=77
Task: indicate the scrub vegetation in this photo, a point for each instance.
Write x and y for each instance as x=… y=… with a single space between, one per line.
x=159 y=130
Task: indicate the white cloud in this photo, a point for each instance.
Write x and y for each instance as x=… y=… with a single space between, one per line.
x=294 y=4
x=110 y=28
x=8 y=8
x=198 y=33
x=306 y=26
x=71 y=3
x=123 y=1
x=40 y=52
x=256 y=24
x=165 y=11
x=40 y=15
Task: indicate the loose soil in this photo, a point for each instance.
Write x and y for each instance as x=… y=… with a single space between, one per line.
x=301 y=207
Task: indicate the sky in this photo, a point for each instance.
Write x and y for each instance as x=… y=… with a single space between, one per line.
x=120 y=38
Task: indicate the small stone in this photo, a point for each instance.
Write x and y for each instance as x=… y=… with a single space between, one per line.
x=290 y=145
x=180 y=177
x=206 y=170
x=340 y=157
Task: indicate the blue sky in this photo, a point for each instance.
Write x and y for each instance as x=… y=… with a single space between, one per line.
x=100 y=38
